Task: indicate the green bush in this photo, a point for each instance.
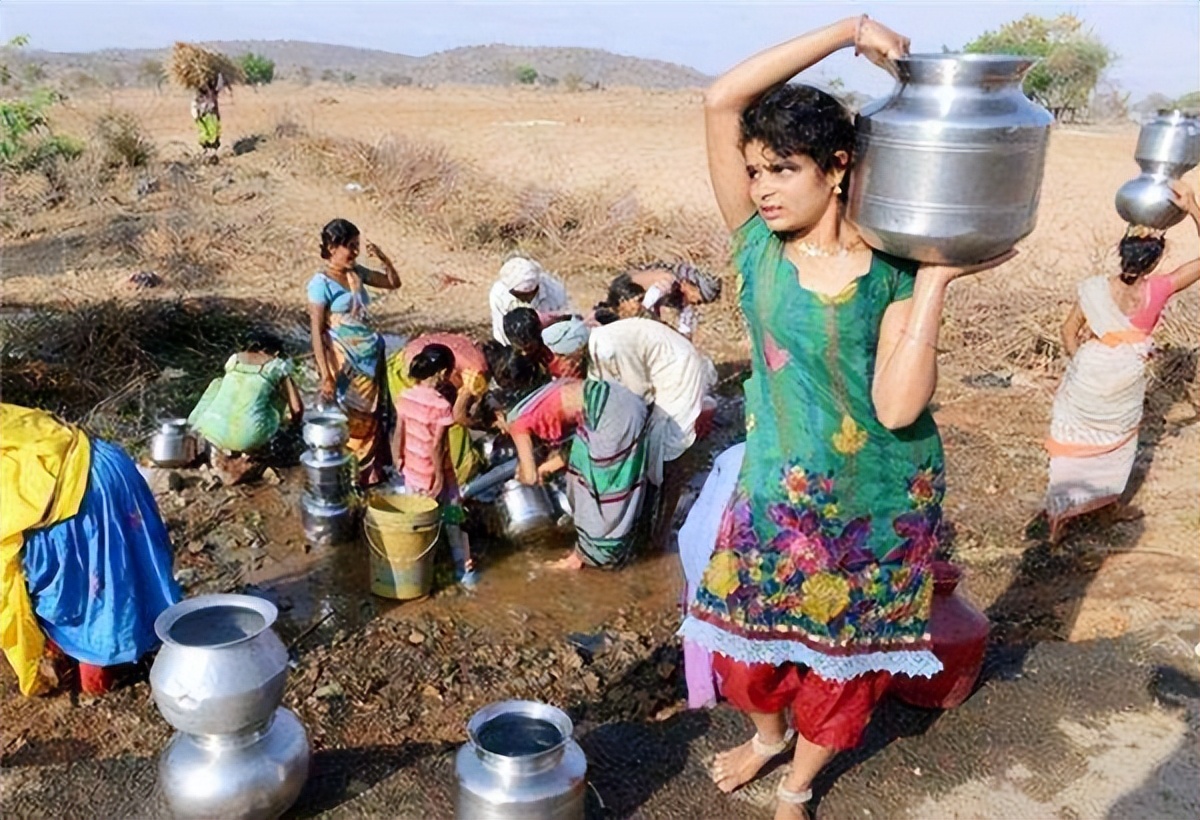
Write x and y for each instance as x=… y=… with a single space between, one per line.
x=526 y=75
x=258 y=69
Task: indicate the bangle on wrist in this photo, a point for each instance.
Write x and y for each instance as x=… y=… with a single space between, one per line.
x=858 y=27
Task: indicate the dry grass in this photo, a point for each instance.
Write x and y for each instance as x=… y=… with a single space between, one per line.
x=194 y=68
x=573 y=231
x=122 y=142
x=118 y=364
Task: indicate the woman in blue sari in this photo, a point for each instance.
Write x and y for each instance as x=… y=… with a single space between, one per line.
x=349 y=352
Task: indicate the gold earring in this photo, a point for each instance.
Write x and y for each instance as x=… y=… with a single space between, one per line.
x=837 y=190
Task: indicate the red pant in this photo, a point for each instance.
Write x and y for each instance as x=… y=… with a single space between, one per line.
x=832 y=714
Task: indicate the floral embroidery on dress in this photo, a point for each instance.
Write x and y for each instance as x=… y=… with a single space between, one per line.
x=850 y=438
x=817 y=576
x=751 y=422
x=775 y=356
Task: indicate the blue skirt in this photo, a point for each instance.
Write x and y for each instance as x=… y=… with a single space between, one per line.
x=99 y=579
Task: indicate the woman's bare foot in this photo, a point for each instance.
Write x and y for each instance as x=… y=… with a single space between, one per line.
x=792 y=802
x=791 y=811
x=571 y=562
x=736 y=767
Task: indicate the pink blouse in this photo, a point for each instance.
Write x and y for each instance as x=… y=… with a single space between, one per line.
x=1159 y=290
x=425 y=414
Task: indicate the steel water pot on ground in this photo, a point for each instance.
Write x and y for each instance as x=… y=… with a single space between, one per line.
x=173 y=445
x=948 y=168
x=326 y=429
x=221 y=668
x=252 y=775
x=524 y=508
x=520 y=762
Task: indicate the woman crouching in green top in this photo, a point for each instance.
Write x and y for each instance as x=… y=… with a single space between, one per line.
x=241 y=414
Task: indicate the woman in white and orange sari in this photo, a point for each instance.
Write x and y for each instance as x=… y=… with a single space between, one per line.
x=1098 y=407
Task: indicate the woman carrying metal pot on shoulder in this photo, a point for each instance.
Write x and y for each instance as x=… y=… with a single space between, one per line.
x=820 y=586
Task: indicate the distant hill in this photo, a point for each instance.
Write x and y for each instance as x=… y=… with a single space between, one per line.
x=471 y=65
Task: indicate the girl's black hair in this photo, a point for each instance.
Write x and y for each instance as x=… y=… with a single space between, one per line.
x=518 y=376
x=432 y=359
x=605 y=315
x=523 y=327
x=447 y=391
x=494 y=353
x=795 y=119
x=338 y=233
x=620 y=289
x=260 y=341
x=1139 y=255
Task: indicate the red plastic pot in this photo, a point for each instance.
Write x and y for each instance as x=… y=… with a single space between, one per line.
x=959 y=632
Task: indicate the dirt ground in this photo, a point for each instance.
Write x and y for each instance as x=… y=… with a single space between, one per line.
x=1082 y=633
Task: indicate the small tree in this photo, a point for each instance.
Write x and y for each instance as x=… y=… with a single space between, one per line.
x=150 y=72
x=526 y=74
x=1070 y=59
x=258 y=69
x=1188 y=103
x=26 y=140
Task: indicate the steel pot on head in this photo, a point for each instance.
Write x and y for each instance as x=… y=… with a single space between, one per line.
x=221 y=668
x=948 y=168
x=1168 y=147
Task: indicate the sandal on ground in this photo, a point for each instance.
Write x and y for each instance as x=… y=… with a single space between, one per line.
x=794 y=798
x=770 y=750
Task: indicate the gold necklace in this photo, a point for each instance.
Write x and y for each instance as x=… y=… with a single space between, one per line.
x=809 y=249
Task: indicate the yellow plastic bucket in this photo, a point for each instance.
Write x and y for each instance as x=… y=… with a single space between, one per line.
x=401 y=532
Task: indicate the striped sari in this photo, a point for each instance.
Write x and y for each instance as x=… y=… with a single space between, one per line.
x=357 y=360
x=607 y=471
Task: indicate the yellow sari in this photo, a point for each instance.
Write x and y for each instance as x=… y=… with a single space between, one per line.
x=43 y=477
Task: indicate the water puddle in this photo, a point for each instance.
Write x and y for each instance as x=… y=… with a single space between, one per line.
x=328 y=589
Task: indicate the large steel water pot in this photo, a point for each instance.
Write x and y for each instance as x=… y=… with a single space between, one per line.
x=221 y=667
x=328 y=522
x=524 y=508
x=948 y=169
x=520 y=762
x=1168 y=147
x=253 y=775
x=330 y=477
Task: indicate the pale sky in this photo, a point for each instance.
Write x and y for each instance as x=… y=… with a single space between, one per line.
x=1158 y=41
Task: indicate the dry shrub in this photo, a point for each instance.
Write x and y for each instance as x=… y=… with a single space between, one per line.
x=189 y=250
x=122 y=141
x=404 y=177
x=571 y=231
x=104 y=363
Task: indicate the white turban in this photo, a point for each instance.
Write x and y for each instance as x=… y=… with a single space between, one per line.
x=565 y=337
x=521 y=274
